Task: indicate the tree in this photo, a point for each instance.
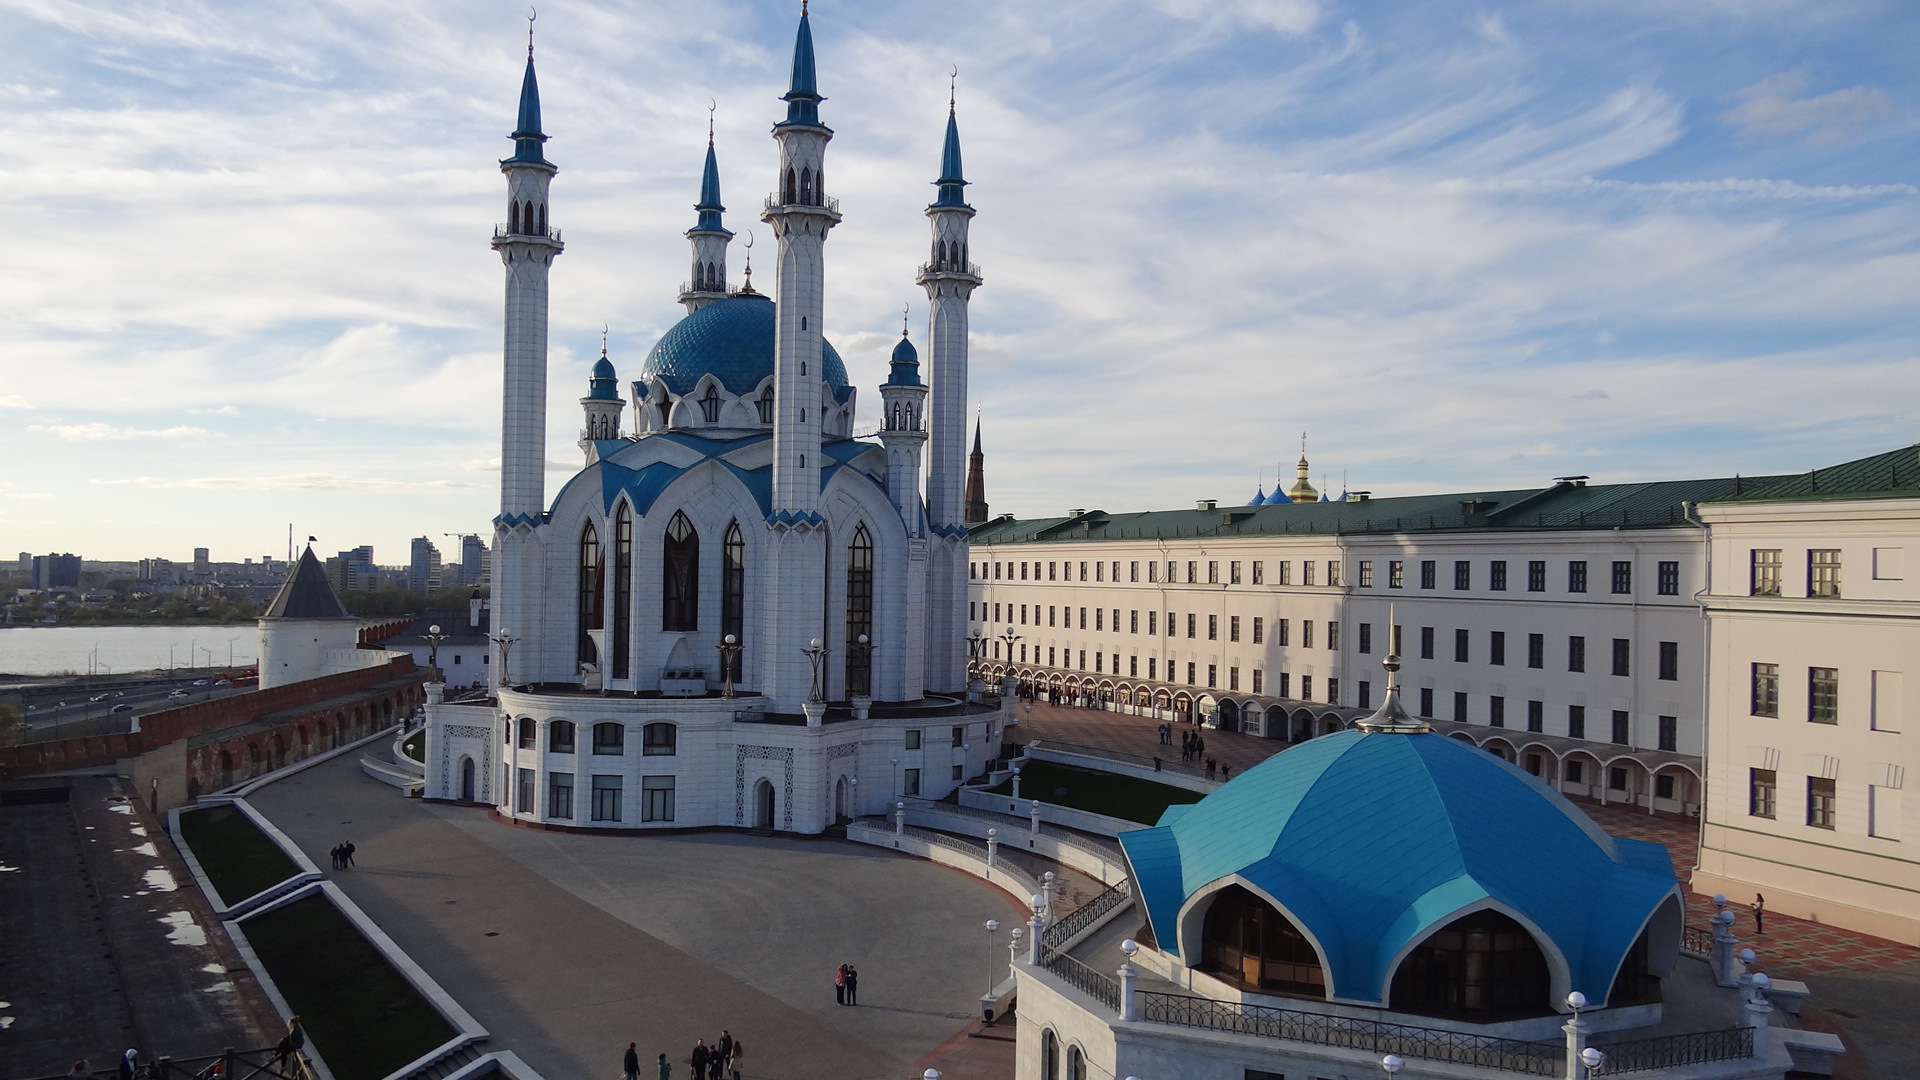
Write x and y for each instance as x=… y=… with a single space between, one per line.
x=13 y=726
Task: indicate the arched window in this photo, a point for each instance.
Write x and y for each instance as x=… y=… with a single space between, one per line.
x=543 y=220
x=710 y=405
x=1483 y=965
x=860 y=612
x=665 y=409
x=622 y=590
x=1076 y=1064
x=733 y=592
x=592 y=570
x=806 y=186
x=766 y=406
x=529 y=733
x=1049 y=1056
x=609 y=738
x=787 y=188
x=513 y=217
x=680 y=576
x=659 y=740
x=1249 y=942
x=559 y=736
x=820 y=186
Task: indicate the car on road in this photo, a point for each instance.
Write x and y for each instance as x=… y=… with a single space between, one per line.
x=98 y=697
x=122 y=707
x=223 y=684
x=177 y=694
x=202 y=682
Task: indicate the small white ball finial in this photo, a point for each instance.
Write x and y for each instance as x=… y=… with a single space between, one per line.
x=1129 y=946
x=1592 y=1058
x=1392 y=1064
x=1576 y=1001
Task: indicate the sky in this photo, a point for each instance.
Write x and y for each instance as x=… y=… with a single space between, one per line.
x=1458 y=245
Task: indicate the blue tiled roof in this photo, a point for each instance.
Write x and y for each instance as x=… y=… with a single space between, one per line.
x=906 y=365
x=603 y=384
x=803 y=91
x=645 y=485
x=1371 y=842
x=733 y=339
x=527 y=136
x=709 y=204
x=951 y=182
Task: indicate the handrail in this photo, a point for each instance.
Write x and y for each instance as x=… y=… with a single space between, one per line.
x=1096 y=984
x=1690 y=1048
x=266 y=1061
x=1062 y=930
x=1696 y=941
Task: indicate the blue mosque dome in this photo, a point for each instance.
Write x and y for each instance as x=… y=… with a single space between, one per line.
x=906 y=364
x=733 y=340
x=1370 y=844
x=603 y=384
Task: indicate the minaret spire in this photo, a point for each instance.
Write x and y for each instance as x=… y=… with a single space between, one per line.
x=708 y=281
x=803 y=89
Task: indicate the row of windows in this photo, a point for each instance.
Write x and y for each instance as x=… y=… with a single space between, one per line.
x=1822 y=812
x=656 y=740
x=1620 y=729
x=1823 y=695
x=656 y=796
x=1620 y=580
x=1823 y=572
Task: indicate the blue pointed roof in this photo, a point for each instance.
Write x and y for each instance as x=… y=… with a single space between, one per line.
x=906 y=364
x=1279 y=496
x=1259 y=497
x=1370 y=842
x=733 y=340
x=709 y=204
x=603 y=385
x=803 y=90
x=527 y=136
x=951 y=181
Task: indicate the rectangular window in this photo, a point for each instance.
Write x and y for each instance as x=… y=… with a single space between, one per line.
x=1050 y=652
x=1761 y=788
x=1537 y=576
x=958 y=736
x=1193 y=573
x=1823 y=573
x=1459 y=708
x=1396 y=574
x=912 y=739
x=1883 y=812
x=1190 y=679
x=1663 y=786
x=1083 y=571
x=1283 y=572
x=1286 y=685
x=1213 y=628
x=1622 y=576
x=656 y=798
x=1497 y=711
x=1577 y=575
x=1257 y=681
x=1052 y=613
x=1884 y=709
x=1306 y=571
x=1497 y=648
x=1670 y=661
x=1281 y=628
x=659 y=740
x=960 y=771
x=1398 y=647
x=1366 y=695
x=609 y=739
x=1366 y=573
x=1053 y=571
x=1763 y=575
x=996 y=611
x=1023 y=614
x=1462 y=574
x=1259 y=578
x=1023 y=570
x=910 y=783
x=1192 y=622
x=1153 y=571
x=1233 y=678
x=1616 y=779
x=1819 y=802
x=1133 y=666
x=1622 y=656
x=1426 y=701
x=1333 y=574
x=1460 y=646
x=1576 y=653
x=1100 y=572
x=1669 y=579
x=1823 y=695
x=1133 y=570
x=560 y=795
x=1366 y=637
x=1497 y=575
x=1306 y=633
x=1670 y=734
x=1153 y=621
x=1233 y=573
x=1622 y=728
x=1536 y=650
x=1333 y=691
x=1576 y=721
x=1576 y=772
x=1133 y=621
x=1233 y=628
x=1153 y=662
x=1537 y=716
x=1766 y=690
x=1213 y=573
x=1259 y=626
x=1426 y=643
x=1099 y=620
x=559 y=737
x=606 y=798
x=1429 y=573
x=1306 y=688
x=1333 y=635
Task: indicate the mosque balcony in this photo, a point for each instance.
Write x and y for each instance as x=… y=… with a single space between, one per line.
x=818 y=205
x=688 y=288
x=928 y=270
x=503 y=232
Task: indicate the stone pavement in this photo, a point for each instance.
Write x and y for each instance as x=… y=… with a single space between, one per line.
x=567 y=946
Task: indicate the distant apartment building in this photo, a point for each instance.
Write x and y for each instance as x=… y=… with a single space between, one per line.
x=202 y=565
x=158 y=571
x=350 y=570
x=45 y=572
x=424 y=571
x=476 y=561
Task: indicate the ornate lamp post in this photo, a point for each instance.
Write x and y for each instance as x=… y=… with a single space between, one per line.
x=815 y=652
x=976 y=654
x=433 y=638
x=729 y=655
x=993 y=926
x=503 y=640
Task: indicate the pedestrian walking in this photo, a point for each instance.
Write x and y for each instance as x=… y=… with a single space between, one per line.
x=1209 y=768
x=853 y=986
x=292 y=1042
x=724 y=1047
x=716 y=1061
x=733 y=1060
x=665 y=1071
x=334 y=853
x=1225 y=770
x=1759 y=914
x=630 y=1062
x=347 y=854
x=700 y=1056
x=1156 y=763
x=129 y=1064
x=840 y=984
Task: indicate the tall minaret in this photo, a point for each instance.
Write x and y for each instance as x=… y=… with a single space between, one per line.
x=801 y=214
x=527 y=246
x=950 y=280
x=708 y=282
x=976 y=480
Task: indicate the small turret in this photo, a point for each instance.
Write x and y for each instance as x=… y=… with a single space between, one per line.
x=602 y=406
x=709 y=237
x=903 y=397
x=1302 y=490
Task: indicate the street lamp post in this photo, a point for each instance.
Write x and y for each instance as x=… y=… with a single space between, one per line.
x=729 y=655
x=433 y=638
x=815 y=651
x=993 y=926
x=503 y=640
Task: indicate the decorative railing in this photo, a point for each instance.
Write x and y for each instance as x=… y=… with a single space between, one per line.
x=775 y=202
x=501 y=232
x=1670 y=1051
x=1097 y=985
x=953 y=843
x=1063 y=930
x=968 y=269
x=1372 y=1036
x=1696 y=941
x=234 y=1065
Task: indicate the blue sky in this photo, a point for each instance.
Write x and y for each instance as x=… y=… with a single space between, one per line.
x=1461 y=245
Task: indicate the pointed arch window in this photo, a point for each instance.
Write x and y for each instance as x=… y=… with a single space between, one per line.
x=543 y=219
x=766 y=406
x=860 y=612
x=806 y=186
x=733 y=591
x=593 y=570
x=710 y=405
x=788 y=188
x=513 y=216
x=680 y=576
x=1482 y=965
x=622 y=591
x=1250 y=942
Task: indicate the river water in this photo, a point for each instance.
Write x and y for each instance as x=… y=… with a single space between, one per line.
x=112 y=650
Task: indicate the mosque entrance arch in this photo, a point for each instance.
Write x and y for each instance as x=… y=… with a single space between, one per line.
x=763 y=805
x=842 y=811
x=466 y=779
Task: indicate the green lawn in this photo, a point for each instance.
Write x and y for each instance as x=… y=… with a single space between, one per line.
x=415 y=746
x=1098 y=792
x=363 y=1017
x=238 y=858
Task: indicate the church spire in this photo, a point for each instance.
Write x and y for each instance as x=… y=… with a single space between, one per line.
x=976 y=479
x=803 y=90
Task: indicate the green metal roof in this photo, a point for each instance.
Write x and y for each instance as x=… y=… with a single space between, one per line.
x=1893 y=474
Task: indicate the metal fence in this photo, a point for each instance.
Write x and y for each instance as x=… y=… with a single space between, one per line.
x=1087 y=914
x=1101 y=987
x=1696 y=941
x=234 y=1065
x=1667 y=1051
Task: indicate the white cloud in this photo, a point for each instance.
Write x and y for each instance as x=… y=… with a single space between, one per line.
x=14 y=401
x=1292 y=17
x=1770 y=107
x=224 y=410
x=101 y=432
x=288 y=482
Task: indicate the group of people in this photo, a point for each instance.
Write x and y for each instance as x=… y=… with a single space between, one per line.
x=342 y=855
x=719 y=1060
x=130 y=1067
x=846 y=985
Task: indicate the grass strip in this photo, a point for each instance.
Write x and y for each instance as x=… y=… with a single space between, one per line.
x=238 y=858
x=1124 y=797
x=365 y=1018
x=415 y=746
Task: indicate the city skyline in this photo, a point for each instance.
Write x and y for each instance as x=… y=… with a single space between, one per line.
x=1623 y=236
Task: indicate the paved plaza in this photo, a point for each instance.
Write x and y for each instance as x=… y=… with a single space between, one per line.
x=566 y=947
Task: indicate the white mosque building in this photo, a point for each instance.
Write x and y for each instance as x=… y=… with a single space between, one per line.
x=736 y=614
